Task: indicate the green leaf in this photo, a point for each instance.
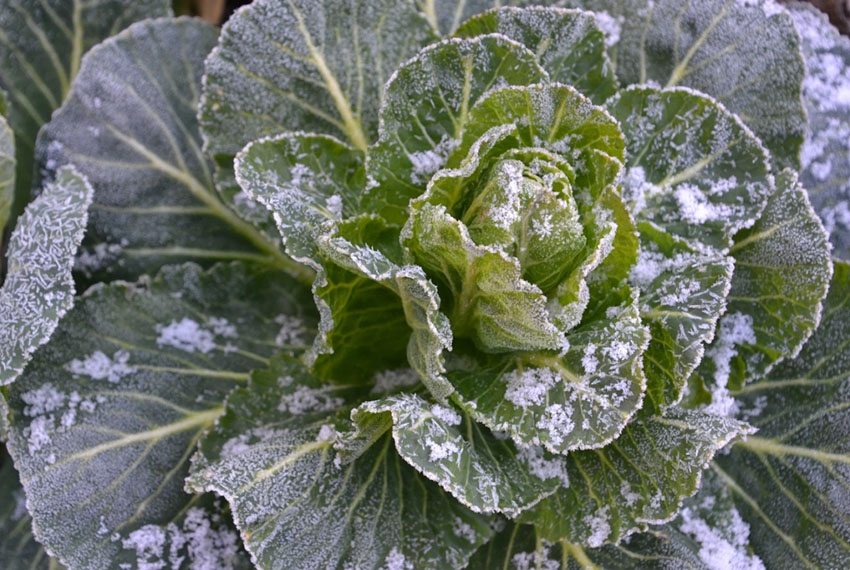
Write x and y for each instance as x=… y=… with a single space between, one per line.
x=639 y=479
x=554 y=117
x=41 y=47
x=567 y=43
x=492 y=304
x=271 y=455
x=445 y=16
x=129 y=125
x=683 y=293
x=7 y=172
x=105 y=419
x=305 y=65
x=18 y=547
x=39 y=288
x=692 y=167
x=304 y=180
x=397 y=305
x=519 y=546
x=790 y=481
x=744 y=54
x=426 y=109
x=485 y=473
x=580 y=399
x=782 y=272
x=825 y=161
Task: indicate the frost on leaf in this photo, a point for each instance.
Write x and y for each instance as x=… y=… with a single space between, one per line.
x=744 y=53
x=639 y=479
x=7 y=169
x=39 y=288
x=104 y=420
x=793 y=471
x=826 y=93
x=483 y=472
x=287 y=486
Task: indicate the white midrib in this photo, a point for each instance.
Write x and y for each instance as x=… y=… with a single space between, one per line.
x=352 y=126
x=196 y=420
x=772 y=447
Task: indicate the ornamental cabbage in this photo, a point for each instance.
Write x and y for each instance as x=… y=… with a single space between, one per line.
x=413 y=284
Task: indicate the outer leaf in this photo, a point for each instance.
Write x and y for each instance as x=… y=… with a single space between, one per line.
x=305 y=181
x=18 y=548
x=426 y=109
x=745 y=54
x=578 y=400
x=446 y=15
x=790 y=483
x=567 y=43
x=271 y=456
x=104 y=420
x=519 y=547
x=639 y=479
x=305 y=65
x=129 y=125
x=485 y=473
x=826 y=162
x=365 y=290
x=39 y=288
x=41 y=45
x=7 y=172
x=782 y=273
x=692 y=167
x=684 y=292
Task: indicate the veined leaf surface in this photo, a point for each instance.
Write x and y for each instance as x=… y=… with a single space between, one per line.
x=744 y=54
x=42 y=43
x=39 y=288
x=790 y=481
x=105 y=419
x=825 y=169
x=7 y=170
x=129 y=125
x=271 y=455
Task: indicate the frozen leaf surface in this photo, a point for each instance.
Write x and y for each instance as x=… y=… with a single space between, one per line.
x=271 y=455
x=826 y=152
x=129 y=125
x=744 y=53
x=639 y=479
x=790 y=481
x=39 y=288
x=486 y=473
x=568 y=44
x=7 y=170
x=103 y=423
x=42 y=43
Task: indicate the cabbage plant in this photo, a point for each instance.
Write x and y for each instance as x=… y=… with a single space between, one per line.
x=398 y=284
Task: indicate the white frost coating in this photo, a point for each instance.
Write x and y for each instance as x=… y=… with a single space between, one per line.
x=149 y=544
x=334 y=206
x=97 y=257
x=589 y=360
x=636 y=189
x=463 y=530
x=98 y=366
x=43 y=406
x=610 y=26
x=425 y=163
x=600 y=527
x=723 y=547
x=390 y=380
x=305 y=399
x=445 y=414
x=557 y=422
x=291 y=329
x=769 y=7
x=395 y=560
x=186 y=335
x=534 y=458
x=222 y=327
x=441 y=450
x=734 y=329
x=205 y=547
x=529 y=387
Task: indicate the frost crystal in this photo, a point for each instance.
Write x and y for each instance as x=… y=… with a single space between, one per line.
x=186 y=335
x=723 y=547
x=734 y=329
x=529 y=387
x=98 y=366
x=305 y=399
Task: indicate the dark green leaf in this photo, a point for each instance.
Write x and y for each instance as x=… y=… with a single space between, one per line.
x=105 y=418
